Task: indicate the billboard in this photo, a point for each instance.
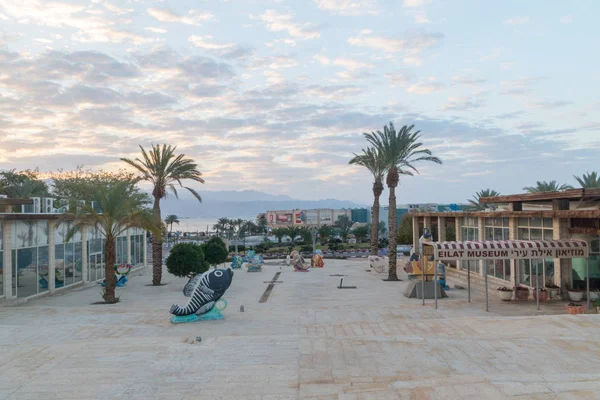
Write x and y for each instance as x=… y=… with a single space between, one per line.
x=298 y=217
x=284 y=218
x=413 y=208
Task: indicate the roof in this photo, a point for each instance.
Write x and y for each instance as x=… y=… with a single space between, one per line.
x=594 y=213
x=571 y=194
x=15 y=202
x=508 y=249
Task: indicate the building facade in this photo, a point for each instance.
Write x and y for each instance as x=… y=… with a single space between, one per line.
x=35 y=258
x=571 y=214
x=314 y=217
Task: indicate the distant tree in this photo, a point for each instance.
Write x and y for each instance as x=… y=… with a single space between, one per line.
x=221 y=226
x=474 y=204
x=298 y=233
x=261 y=223
x=279 y=233
x=22 y=184
x=325 y=233
x=186 y=260
x=543 y=186
x=405 y=233
x=589 y=180
x=361 y=232
x=164 y=169
x=170 y=220
x=215 y=251
x=344 y=223
x=382 y=228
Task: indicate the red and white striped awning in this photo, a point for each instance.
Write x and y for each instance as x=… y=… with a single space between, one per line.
x=506 y=249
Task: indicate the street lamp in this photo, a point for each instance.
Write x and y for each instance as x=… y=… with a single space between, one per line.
x=313 y=233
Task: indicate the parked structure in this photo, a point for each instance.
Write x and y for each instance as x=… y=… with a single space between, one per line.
x=35 y=259
x=570 y=214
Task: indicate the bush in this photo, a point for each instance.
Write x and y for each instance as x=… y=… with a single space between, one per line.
x=263 y=247
x=215 y=251
x=241 y=247
x=186 y=260
x=306 y=248
x=383 y=243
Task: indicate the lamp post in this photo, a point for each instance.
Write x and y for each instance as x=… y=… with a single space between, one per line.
x=313 y=233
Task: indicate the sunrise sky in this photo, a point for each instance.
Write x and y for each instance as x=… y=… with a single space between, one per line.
x=274 y=95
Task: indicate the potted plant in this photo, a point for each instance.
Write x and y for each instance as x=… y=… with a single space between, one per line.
x=575 y=294
x=575 y=308
x=522 y=293
x=552 y=290
x=543 y=294
x=504 y=293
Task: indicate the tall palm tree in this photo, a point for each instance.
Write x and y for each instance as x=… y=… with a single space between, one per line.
x=120 y=210
x=279 y=233
x=221 y=225
x=543 y=186
x=163 y=169
x=372 y=160
x=400 y=150
x=170 y=220
x=589 y=180
x=474 y=204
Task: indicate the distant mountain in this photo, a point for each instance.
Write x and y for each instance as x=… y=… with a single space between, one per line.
x=242 y=204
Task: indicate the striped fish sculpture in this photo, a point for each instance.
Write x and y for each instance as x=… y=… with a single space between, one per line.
x=203 y=290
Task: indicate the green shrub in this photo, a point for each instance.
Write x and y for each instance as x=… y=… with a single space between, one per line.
x=306 y=248
x=215 y=251
x=186 y=260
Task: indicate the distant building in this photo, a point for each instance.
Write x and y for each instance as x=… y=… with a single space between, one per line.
x=314 y=217
x=402 y=209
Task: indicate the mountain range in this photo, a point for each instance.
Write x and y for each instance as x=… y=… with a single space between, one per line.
x=242 y=204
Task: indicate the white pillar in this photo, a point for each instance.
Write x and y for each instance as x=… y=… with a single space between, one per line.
x=459 y=238
x=85 y=273
x=145 y=249
x=415 y=233
x=7 y=259
x=481 y=225
x=51 y=256
x=512 y=235
x=128 y=247
x=441 y=229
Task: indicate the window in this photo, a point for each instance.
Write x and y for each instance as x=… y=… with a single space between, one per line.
x=541 y=270
x=497 y=229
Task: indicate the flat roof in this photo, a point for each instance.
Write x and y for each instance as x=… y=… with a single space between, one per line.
x=518 y=214
x=571 y=194
x=27 y=217
x=15 y=202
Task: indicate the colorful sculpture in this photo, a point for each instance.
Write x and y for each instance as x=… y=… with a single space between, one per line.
x=379 y=264
x=298 y=262
x=205 y=292
x=121 y=272
x=317 y=260
x=237 y=262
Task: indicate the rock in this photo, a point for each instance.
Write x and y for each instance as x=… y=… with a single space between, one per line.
x=241 y=308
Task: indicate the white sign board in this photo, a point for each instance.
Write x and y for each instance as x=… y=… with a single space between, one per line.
x=512 y=254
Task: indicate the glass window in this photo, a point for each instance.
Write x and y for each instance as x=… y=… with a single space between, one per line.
x=42 y=279
x=523 y=234
x=489 y=222
x=498 y=234
x=497 y=221
x=535 y=234
x=77 y=274
x=523 y=222
x=60 y=265
x=489 y=233
x=548 y=234
x=505 y=222
x=69 y=265
x=536 y=222
x=548 y=223
x=26 y=277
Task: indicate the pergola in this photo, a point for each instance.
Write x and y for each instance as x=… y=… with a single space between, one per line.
x=505 y=249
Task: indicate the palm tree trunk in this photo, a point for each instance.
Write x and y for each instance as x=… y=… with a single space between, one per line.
x=375 y=226
x=392 y=227
x=109 y=270
x=156 y=247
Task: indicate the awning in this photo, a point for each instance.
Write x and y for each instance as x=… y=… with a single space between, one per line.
x=506 y=249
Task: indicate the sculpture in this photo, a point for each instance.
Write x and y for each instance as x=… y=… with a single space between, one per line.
x=237 y=262
x=317 y=259
x=379 y=264
x=204 y=290
x=298 y=262
x=121 y=272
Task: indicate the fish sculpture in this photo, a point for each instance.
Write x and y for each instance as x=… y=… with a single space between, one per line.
x=204 y=290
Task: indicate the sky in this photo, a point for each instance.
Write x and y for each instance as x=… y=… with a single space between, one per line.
x=274 y=95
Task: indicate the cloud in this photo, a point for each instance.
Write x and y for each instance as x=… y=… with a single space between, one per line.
x=332 y=92
x=225 y=50
x=462 y=104
x=155 y=30
x=399 y=78
x=516 y=21
x=276 y=22
x=349 y=7
x=412 y=45
x=425 y=87
x=193 y=17
x=550 y=104
x=467 y=80
x=567 y=19
x=414 y=3
x=521 y=86
x=510 y=115
x=348 y=63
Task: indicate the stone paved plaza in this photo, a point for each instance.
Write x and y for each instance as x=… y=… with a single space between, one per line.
x=310 y=340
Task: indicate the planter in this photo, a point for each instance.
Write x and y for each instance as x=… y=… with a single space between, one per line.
x=505 y=295
x=594 y=296
x=543 y=295
x=522 y=294
x=575 y=295
x=553 y=293
x=575 y=309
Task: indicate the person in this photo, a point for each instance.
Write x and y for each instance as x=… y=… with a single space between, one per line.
x=441 y=275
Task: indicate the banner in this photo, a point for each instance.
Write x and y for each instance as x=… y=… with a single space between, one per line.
x=512 y=254
x=284 y=218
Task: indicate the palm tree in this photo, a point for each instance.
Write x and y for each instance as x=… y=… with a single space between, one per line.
x=399 y=151
x=120 y=210
x=170 y=220
x=324 y=233
x=163 y=169
x=382 y=228
x=589 y=180
x=279 y=233
x=221 y=225
x=474 y=205
x=372 y=160
x=543 y=186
